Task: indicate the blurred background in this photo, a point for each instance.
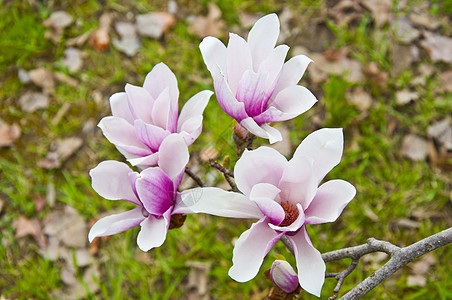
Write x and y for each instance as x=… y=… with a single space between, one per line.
x=382 y=71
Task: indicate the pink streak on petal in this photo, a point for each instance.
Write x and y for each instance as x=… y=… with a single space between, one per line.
x=110 y=179
x=250 y=250
x=310 y=265
x=263 y=165
x=251 y=91
x=155 y=190
x=325 y=146
x=238 y=60
x=150 y=135
x=140 y=102
x=262 y=38
x=329 y=202
x=116 y=223
x=153 y=231
x=120 y=107
x=264 y=195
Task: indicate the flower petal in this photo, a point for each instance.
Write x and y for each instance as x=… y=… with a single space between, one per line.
x=161 y=110
x=122 y=134
x=263 y=165
x=264 y=131
x=292 y=72
x=155 y=190
x=298 y=183
x=116 y=223
x=250 y=250
x=330 y=201
x=262 y=38
x=284 y=276
x=273 y=65
x=226 y=98
x=153 y=231
x=120 y=107
x=264 y=195
x=145 y=161
x=214 y=53
x=310 y=265
x=325 y=146
x=173 y=156
x=238 y=60
x=150 y=135
x=110 y=179
x=251 y=91
x=299 y=221
x=140 y=102
x=293 y=101
x=217 y=202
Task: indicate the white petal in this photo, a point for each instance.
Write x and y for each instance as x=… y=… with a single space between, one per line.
x=329 y=202
x=193 y=109
x=160 y=78
x=153 y=231
x=325 y=146
x=140 y=102
x=310 y=265
x=110 y=179
x=161 y=111
x=217 y=202
x=292 y=72
x=293 y=101
x=264 y=195
x=250 y=250
x=173 y=155
x=262 y=38
x=264 y=131
x=120 y=107
x=273 y=65
x=214 y=53
x=238 y=60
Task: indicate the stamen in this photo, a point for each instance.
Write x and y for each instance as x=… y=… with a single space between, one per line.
x=291 y=213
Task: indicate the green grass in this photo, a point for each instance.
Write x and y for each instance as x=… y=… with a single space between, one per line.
x=389 y=186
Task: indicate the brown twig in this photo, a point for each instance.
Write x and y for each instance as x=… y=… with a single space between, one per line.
x=194 y=177
x=228 y=174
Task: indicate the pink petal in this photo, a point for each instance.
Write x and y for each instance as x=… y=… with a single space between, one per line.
x=325 y=146
x=120 y=107
x=214 y=53
x=293 y=101
x=264 y=131
x=263 y=165
x=295 y=225
x=145 y=161
x=251 y=91
x=161 y=111
x=238 y=60
x=110 y=179
x=140 y=103
x=264 y=195
x=329 y=202
x=250 y=250
x=284 y=276
x=273 y=65
x=262 y=38
x=122 y=134
x=116 y=223
x=173 y=156
x=156 y=191
x=160 y=78
x=226 y=98
x=298 y=183
x=310 y=265
x=150 y=135
x=292 y=72
x=153 y=231
x=217 y=202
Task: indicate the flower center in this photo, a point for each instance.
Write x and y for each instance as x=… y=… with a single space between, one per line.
x=291 y=213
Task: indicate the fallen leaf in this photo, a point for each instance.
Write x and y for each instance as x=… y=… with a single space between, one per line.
x=446 y=80
x=1 y=205
x=349 y=68
x=406 y=96
x=426 y=69
x=8 y=134
x=125 y=29
x=51 y=161
x=345 y=12
x=441 y=131
x=414 y=147
x=100 y=39
x=68 y=226
x=128 y=45
x=51 y=195
x=24 y=227
x=360 y=98
x=52 y=250
x=402 y=57
x=78 y=40
x=68 y=276
x=334 y=54
x=63 y=78
x=407 y=223
x=72 y=59
x=438 y=47
x=39 y=202
x=381 y=10
x=32 y=101
x=420 y=270
x=23 y=75
x=424 y=20
x=404 y=31
x=373 y=72
x=210 y=25
x=248 y=20
x=58 y=20
x=154 y=24
x=172 y=7
x=63 y=150
x=285 y=17
x=43 y=78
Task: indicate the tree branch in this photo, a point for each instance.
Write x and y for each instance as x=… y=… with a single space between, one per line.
x=228 y=174
x=194 y=177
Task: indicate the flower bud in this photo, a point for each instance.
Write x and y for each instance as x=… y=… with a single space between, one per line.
x=284 y=276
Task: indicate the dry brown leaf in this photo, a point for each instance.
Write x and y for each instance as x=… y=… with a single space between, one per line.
x=404 y=31
x=446 y=79
x=23 y=76
x=8 y=134
x=72 y=59
x=441 y=131
x=24 y=227
x=63 y=150
x=360 y=98
x=43 y=78
x=210 y=25
x=414 y=147
x=424 y=20
x=345 y=12
x=50 y=161
x=129 y=42
x=32 y=101
x=154 y=24
x=334 y=54
x=1 y=205
x=79 y=40
x=40 y=203
x=58 y=20
x=373 y=72
x=402 y=56
x=349 y=68
x=406 y=96
x=438 y=47
x=63 y=78
x=100 y=39
x=381 y=10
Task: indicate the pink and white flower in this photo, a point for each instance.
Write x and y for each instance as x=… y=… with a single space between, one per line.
x=252 y=83
x=154 y=191
x=285 y=197
x=284 y=276
x=144 y=116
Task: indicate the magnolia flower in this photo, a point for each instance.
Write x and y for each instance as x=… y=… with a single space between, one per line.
x=283 y=275
x=285 y=197
x=144 y=116
x=154 y=191
x=252 y=83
